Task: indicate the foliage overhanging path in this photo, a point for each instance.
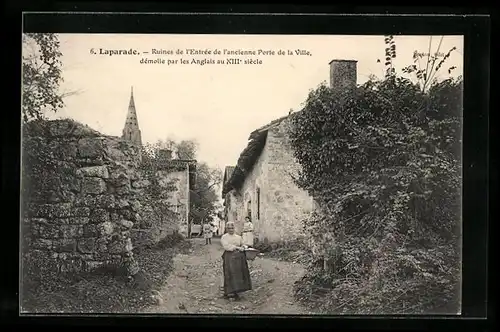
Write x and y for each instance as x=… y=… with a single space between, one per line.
x=383 y=162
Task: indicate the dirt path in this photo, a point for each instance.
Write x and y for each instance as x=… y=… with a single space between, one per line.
x=194 y=285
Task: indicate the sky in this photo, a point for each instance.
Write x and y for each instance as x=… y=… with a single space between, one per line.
x=218 y=105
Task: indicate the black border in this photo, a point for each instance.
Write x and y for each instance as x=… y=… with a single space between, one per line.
x=476 y=105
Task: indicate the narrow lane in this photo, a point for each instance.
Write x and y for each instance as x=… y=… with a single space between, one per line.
x=194 y=286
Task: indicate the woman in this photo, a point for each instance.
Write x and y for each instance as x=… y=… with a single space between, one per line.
x=207 y=233
x=214 y=229
x=234 y=264
x=248 y=232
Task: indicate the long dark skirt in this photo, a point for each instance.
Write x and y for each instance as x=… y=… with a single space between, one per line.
x=236 y=273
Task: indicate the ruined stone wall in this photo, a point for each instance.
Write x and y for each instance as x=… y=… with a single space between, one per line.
x=84 y=198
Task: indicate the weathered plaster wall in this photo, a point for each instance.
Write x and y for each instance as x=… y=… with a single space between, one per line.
x=180 y=197
x=286 y=204
x=283 y=205
x=235 y=210
x=257 y=179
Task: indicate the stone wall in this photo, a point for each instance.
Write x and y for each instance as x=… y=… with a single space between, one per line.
x=84 y=198
x=286 y=204
x=283 y=205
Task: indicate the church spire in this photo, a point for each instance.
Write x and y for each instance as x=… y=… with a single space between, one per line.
x=131 y=131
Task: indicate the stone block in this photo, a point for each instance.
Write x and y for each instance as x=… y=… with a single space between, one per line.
x=119 y=177
x=93 y=186
x=101 y=245
x=90 y=230
x=133 y=174
x=71 y=265
x=86 y=245
x=120 y=246
x=123 y=190
x=71 y=231
x=68 y=221
x=85 y=201
x=30 y=221
x=98 y=216
x=94 y=171
x=127 y=214
x=122 y=203
x=68 y=151
x=58 y=210
x=106 y=228
x=106 y=201
x=115 y=217
x=80 y=211
x=126 y=223
x=93 y=265
x=90 y=148
x=141 y=183
x=65 y=245
x=46 y=231
x=42 y=244
x=135 y=205
x=114 y=151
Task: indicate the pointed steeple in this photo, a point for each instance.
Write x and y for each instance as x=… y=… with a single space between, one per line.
x=131 y=131
x=131 y=104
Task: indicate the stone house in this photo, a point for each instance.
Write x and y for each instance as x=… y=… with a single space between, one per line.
x=262 y=182
x=181 y=172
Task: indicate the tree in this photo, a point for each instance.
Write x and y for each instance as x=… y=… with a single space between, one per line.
x=185 y=149
x=204 y=197
x=41 y=75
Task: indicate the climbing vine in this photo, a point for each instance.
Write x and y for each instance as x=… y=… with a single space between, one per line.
x=383 y=164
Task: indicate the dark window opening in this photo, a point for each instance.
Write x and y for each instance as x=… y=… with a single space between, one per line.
x=249 y=209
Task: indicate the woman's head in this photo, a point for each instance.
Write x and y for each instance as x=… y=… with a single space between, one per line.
x=230 y=227
x=248 y=219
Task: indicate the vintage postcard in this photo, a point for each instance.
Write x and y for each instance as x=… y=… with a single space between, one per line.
x=241 y=174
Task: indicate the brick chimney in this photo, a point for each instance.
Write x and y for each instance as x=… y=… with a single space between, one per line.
x=343 y=74
x=165 y=154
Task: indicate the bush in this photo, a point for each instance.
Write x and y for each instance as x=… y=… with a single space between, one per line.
x=383 y=163
x=294 y=251
x=105 y=290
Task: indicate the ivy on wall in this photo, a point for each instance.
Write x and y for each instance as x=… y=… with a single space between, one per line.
x=383 y=162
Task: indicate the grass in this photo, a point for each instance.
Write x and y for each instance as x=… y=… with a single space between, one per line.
x=290 y=251
x=107 y=290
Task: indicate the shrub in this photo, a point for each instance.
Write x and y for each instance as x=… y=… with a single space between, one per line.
x=383 y=163
x=105 y=290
